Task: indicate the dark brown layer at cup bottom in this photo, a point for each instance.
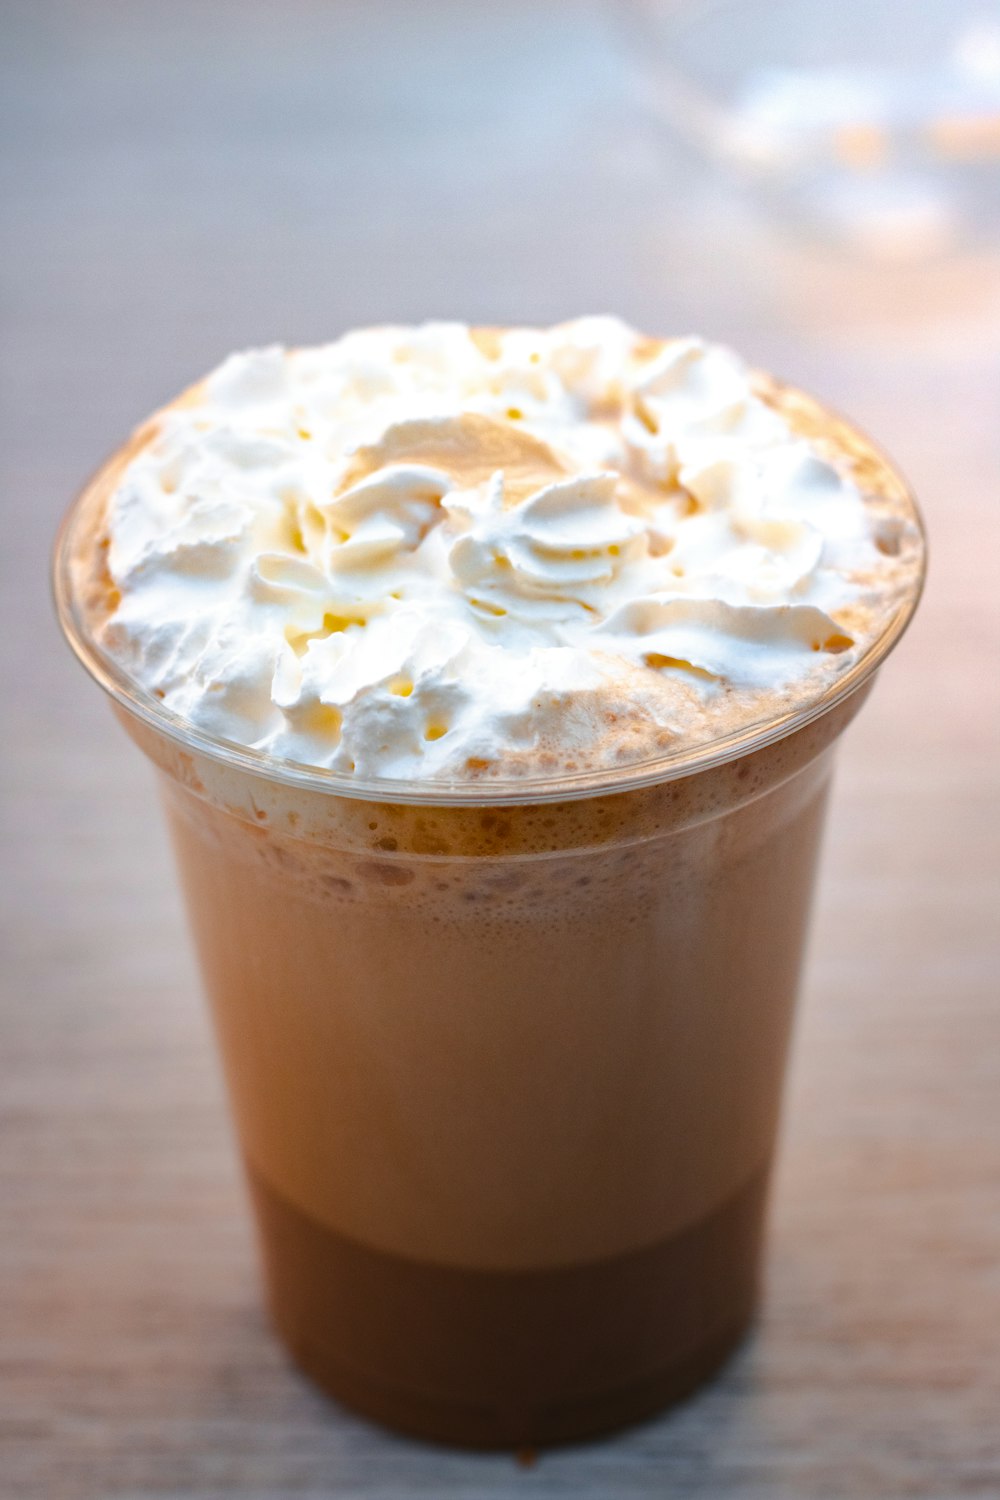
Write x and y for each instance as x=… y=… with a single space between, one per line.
x=503 y=1359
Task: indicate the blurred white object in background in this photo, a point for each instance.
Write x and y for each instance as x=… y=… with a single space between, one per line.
x=875 y=123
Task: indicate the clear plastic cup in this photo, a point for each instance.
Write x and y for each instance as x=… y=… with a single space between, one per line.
x=506 y=1059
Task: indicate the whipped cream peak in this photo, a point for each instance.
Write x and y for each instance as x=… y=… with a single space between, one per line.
x=451 y=552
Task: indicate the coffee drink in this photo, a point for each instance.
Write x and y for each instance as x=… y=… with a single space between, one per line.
x=493 y=680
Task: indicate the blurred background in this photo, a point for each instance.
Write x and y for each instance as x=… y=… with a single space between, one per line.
x=818 y=185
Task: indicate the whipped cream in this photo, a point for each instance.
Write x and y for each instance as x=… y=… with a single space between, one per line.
x=443 y=552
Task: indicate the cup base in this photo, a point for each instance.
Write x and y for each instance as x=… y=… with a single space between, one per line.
x=420 y=1416
x=511 y=1359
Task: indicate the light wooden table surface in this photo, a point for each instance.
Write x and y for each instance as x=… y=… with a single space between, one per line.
x=179 y=179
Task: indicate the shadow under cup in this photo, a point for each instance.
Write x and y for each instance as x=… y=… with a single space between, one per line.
x=506 y=1060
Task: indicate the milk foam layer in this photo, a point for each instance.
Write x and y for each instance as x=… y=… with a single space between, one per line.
x=442 y=552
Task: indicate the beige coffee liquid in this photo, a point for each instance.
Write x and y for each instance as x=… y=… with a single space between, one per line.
x=514 y=1073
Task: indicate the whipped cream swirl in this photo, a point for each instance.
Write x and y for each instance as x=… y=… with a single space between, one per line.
x=443 y=552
